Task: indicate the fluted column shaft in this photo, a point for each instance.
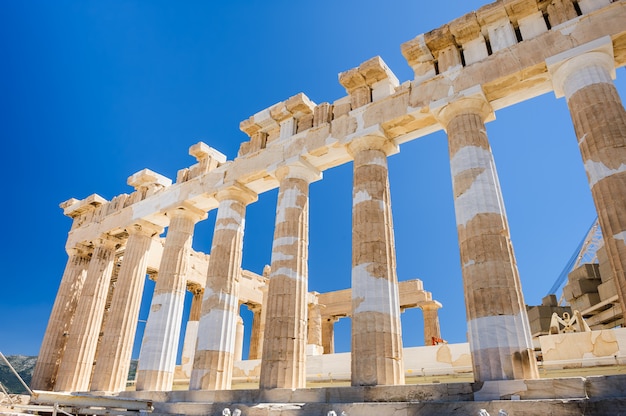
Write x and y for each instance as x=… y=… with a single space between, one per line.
x=191 y=333
x=55 y=338
x=328 y=335
x=498 y=329
x=431 y=323
x=284 y=345
x=600 y=123
x=376 y=328
x=314 y=330
x=239 y=339
x=114 y=354
x=77 y=363
x=255 y=333
x=213 y=361
x=157 y=358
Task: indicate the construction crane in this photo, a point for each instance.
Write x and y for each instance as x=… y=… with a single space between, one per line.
x=586 y=252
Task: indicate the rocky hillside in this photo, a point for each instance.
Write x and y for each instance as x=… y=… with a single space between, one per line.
x=24 y=366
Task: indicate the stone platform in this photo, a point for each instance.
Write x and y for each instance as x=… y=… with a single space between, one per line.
x=597 y=395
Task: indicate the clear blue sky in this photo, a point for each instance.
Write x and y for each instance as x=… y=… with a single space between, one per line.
x=94 y=91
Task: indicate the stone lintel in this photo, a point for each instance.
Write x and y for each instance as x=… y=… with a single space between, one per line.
x=338 y=303
x=599 y=51
x=74 y=207
x=504 y=85
x=147 y=177
x=470 y=100
x=203 y=151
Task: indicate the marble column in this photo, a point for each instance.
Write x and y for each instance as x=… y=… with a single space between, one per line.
x=55 y=337
x=498 y=329
x=157 y=358
x=255 y=333
x=284 y=355
x=113 y=357
x=328 y=334
x=213 y=361
x=376 y=327
x=239 y=339
x=191 y=332
x=431 y=322
x=314 y=328
x=77 y=363
x=584 y=76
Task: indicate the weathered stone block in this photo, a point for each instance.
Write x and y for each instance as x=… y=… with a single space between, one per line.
x=607 y=289
x=585 y=301
x=585 y=271
x=582 y=286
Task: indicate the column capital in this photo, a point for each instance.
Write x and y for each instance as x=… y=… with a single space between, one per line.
x=298 y=168
x=429 y=306
x=78 y=250
x=187 y=210
x=596 y=53
x=108 y=241
x=254 y=307
x=471 y=100
x=238 y=192
x=372 y=142
x=144 y=228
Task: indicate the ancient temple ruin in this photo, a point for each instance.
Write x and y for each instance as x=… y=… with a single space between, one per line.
x=504 y=53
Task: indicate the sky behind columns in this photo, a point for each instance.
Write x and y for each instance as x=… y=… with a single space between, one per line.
x=94 y=91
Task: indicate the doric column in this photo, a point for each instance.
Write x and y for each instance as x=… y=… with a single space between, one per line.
x=584 y=76
x=284 y=358
x=213 y=361
x=157 y=358
x=54 y=340
x=114 y=354
x=498 y=330
x=376 y=328
x=238 y=339
x=328 y=334
x=77 y=363
x=314 y=327
x=431 y=322
x=255 y=333
x=191 y=332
